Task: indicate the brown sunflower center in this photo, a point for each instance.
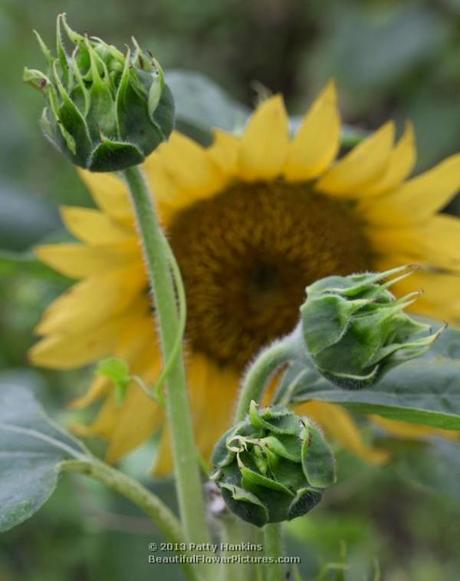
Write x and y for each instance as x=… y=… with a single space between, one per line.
x=247 y=255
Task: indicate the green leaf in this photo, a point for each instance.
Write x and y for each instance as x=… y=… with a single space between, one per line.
x=32 y=448
x=432 y=466
x=25 y=263
x=117 y=370
x=203 y=104
x=113 y=155
x=277 y=421
x=318 y=461
x=245 y=504
x=422 y=391
x=305 y=500
x=251 y=479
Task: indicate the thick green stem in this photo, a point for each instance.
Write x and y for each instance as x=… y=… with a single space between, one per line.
x=254 y=384
x=274 y=549
x=150 y=504
x=259 y=374
x=234 y=531
x=185 y=455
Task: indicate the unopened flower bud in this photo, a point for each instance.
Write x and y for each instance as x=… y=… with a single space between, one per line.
x=273 y=466
x=356 y=330
x=105 y=110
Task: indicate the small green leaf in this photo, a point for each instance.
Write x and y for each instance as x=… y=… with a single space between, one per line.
x=117 y=370
x=318 y=461
x=327 y=319
x=284 y=446
x=305 y=500
x=276 y=421
x=250 y=479
x=114 y=368
x=245 y=504
x=114 y=155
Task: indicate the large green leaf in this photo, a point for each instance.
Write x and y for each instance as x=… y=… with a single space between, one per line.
x=203 y=104
x=32 y=448
x=434 y=467
x=424 y=391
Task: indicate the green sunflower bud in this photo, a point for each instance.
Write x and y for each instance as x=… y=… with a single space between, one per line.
x=273 y=466
x=106 y=110
x=356 y=330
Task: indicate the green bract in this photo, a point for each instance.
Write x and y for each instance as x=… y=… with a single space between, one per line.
x=106 y=110
x=273 y=466
x=356 y=330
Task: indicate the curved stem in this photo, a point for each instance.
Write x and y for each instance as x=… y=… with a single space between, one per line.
x=260 y=372
x=175 y=351
x=274 y=549
x=123 y=484
x=188 y=484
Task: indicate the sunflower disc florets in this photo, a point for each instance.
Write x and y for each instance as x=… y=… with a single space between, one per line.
x=273 y=466
x=356 y=330
x=106 y=110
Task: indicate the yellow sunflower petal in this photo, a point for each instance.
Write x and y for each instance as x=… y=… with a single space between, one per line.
x=138 y=419
x=68 y=350
x=362 y=165
x=213 y=393
x=169 y=196
x=190 y=168
x=80 y=260
x=105 y=422
x=392 y=241
x=129 y=345
x=408 y=431
x=401 y=163
x=317 y=141
x=440 y=241
x=85 y=305
x=419 y=198
x=138 y=343
x=339 y=425
x=94 y=227
x=264 y=144
x=98 y=388
x=224 y=151
x=110 y=193
x=434 y=243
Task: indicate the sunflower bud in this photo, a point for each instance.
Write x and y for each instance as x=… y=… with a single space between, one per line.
x=273 y=466
x=356 y=330
x=106 y=110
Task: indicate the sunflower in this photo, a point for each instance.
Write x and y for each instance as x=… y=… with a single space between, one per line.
x=252 y=219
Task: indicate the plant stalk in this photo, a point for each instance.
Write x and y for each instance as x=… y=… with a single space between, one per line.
x=235 y=531
x=274 y=549
x=130 y=488
x=260 y=372
x=188 y=485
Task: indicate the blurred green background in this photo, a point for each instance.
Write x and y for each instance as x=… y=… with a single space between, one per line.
x=390 y=59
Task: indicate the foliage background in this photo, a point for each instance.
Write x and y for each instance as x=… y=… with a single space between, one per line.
x=390 y=58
